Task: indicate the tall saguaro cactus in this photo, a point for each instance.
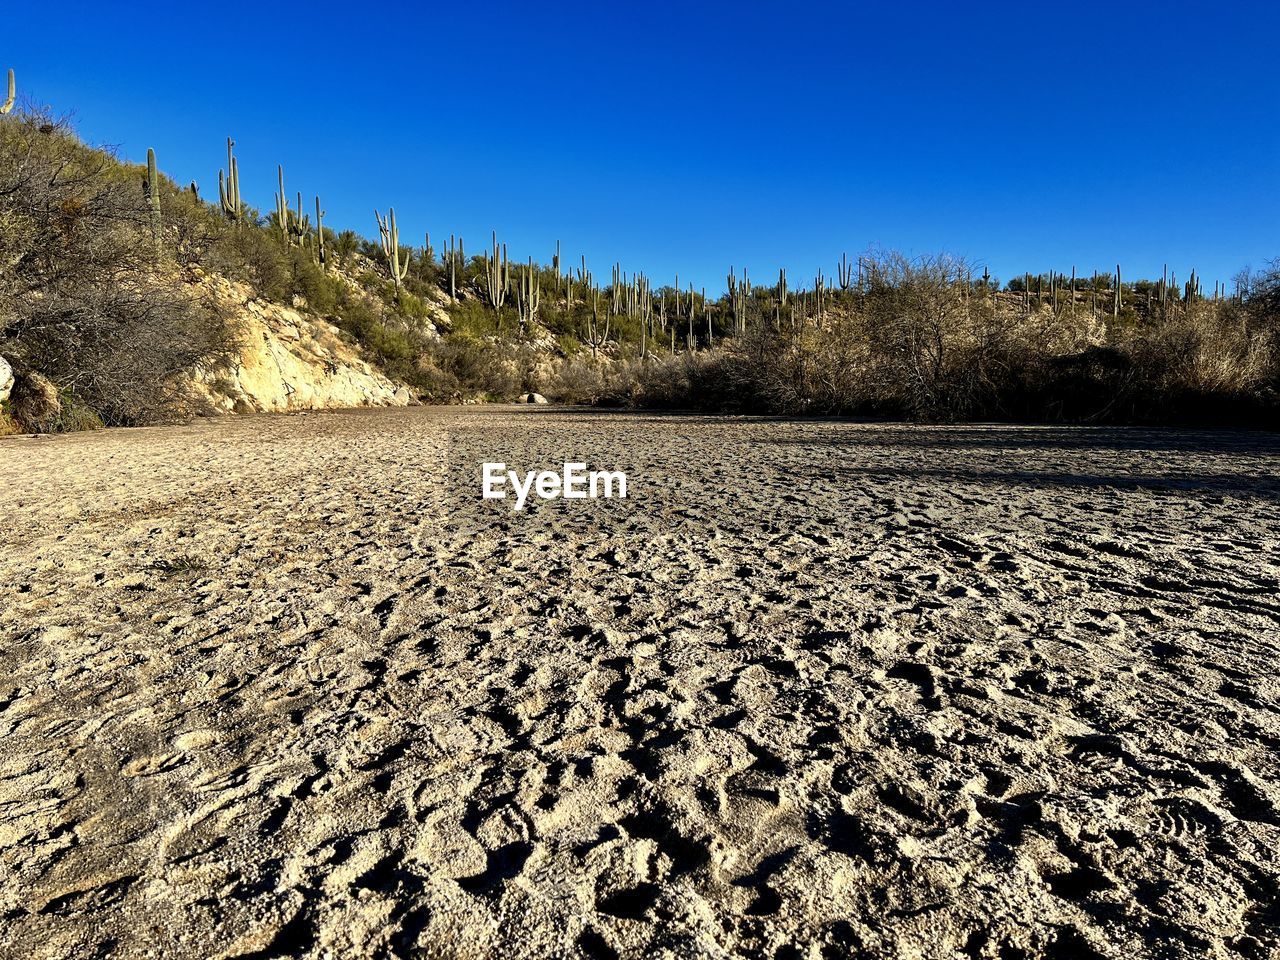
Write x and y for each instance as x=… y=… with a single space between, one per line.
x=282 y=211
x=453 y=257
x=153 y=198
x=13 y=95
x=497 y=275
x=229 y=187
x=294 y=228
x=780 y=300
x=321 y=255
x=844 y=272
x=389 y=236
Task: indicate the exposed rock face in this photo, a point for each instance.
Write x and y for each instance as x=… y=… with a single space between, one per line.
x=6 y=379
x=535 y=398
x=290 y=361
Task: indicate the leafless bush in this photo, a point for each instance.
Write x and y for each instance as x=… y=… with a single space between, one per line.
x=921 y=341
x=85 y=298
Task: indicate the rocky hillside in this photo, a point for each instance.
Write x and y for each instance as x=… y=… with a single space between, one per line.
x=278 y=359
x=287 y=359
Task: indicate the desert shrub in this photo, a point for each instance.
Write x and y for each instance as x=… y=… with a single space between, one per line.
x=488 y=367
x=917 y=342
x=307 y=280
x=85 y=298
x=250 y=254
x=345 y=245
x=376 y=330
x=74 y=414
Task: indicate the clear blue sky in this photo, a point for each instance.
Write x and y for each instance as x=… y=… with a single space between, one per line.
x=693 y=136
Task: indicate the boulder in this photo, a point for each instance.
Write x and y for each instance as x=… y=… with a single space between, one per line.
x=535 y=398
x=6 y=379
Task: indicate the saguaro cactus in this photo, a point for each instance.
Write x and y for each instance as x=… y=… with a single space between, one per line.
x=13 y=93
x=389 y=237
x=453 y=257
x=497 y=276
x=321 y=255
x=294 y=227
x=595 y=337
x=282 y=211
x=153 y=197
x=844 y=272
x=229 y=187
x=691 y=338
x=706 y=313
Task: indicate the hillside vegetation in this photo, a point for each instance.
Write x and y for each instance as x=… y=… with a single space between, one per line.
x=106 y=316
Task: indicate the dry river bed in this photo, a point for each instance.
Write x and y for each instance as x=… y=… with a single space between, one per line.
x=287 y=686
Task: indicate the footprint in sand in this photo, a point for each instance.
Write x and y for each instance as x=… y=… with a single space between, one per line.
x=150 y=766
x=195 y=740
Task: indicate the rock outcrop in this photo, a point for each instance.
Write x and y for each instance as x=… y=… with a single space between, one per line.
x=6 y=379
x=290 y=360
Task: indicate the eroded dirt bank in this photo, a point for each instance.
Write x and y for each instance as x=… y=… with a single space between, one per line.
x=286 y=685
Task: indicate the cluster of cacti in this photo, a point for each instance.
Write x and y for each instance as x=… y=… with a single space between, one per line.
x=739 y=299
x=616 y=306
x=528 y=294
x=229 y=186
x=389 y=238
x=13 y=95
x=293 y=225
x=632 y=296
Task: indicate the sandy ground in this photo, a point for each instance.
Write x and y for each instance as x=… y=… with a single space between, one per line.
x=287 y=686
